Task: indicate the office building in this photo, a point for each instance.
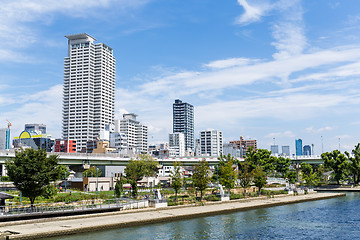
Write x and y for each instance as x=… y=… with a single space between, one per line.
x=177 y=144
x=211 y=143
x=4 y=138
x=34 y=140
x=183 y=122
x=307 y=150
x=89 y=89
x=274 y=149
x=298 y=147
x=285 y=150
x=135 y=132
x=232 y=149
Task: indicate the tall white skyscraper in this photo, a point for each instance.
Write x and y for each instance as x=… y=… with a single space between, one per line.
x=89 y=89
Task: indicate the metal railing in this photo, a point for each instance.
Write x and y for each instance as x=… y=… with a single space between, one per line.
x=84 y=205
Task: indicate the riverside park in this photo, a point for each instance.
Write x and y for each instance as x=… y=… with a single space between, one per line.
x=36 y=203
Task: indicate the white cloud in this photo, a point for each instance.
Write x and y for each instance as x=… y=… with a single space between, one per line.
x=230 y=62
x=183 y=83
x=288 y=134
x=252 y=13
x=42 y=107
x=16 y=33
x=319 y=130
x=287 y=30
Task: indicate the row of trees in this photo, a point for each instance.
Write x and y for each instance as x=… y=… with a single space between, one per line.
x=32 y=171
x=345 y=166
x=258 y=164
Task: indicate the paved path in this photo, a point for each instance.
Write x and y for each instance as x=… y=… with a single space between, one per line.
x=339 y=189
x=34 y=229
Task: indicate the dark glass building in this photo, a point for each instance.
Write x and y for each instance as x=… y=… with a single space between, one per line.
x=183 y=122
x=307 y=150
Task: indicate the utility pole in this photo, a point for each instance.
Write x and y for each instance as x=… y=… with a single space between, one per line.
x=322 y=145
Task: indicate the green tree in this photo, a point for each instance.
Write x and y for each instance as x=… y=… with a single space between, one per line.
x=260 y=157
x=259 y=177
x=310 y=177
x=119 y=186
x=306 y=168
x=354 y=164
x=281 y=165
x=176 y=178
x=31 y=171
x=337 y=162
x=63 y=171
x=291 y=176
x=92 y=172
x=137 y=169
x=245 y=175
x=201 y=176
x=226 y=172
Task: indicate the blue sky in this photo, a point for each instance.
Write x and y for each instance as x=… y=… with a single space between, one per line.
x=258 y=68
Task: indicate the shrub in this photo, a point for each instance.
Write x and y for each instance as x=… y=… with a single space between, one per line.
x=171 y=203
x=234 y=196
x=212 y=198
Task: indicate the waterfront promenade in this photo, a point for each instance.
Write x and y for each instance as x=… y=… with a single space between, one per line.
x=34 y=229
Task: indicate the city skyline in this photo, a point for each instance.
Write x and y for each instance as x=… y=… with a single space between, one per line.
x=258 y=69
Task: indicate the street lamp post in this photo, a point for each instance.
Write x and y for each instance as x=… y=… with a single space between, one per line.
x=97 y=181
x=217 y=175
x=65 y=181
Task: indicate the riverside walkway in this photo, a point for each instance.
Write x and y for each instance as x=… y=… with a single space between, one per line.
x=34 y=229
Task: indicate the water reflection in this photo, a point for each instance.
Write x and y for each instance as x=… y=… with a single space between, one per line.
x=326 y=219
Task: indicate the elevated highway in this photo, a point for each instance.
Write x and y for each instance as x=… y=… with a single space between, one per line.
x=122 y=160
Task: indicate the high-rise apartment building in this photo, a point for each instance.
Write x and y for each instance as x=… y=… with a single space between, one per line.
x=135 y=132
x=183 y=122
x=211 y=142
x=89 y=89
x=298 y=147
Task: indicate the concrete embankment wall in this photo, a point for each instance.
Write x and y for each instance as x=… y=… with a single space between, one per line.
x=96 y=222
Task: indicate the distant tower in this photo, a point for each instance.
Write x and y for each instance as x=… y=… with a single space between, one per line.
x=298 y=147
x=286 y=150
x=183 y=122
x=89 y=89
x=274 y=149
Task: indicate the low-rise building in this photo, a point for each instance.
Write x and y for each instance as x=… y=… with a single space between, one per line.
x=67 y=146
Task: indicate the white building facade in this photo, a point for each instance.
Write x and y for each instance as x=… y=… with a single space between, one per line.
x=136 y=133
x=177 y=144
x=89 y=89
x=211 y=143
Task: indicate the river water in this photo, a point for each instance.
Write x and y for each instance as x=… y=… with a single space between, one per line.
x=337 y=218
